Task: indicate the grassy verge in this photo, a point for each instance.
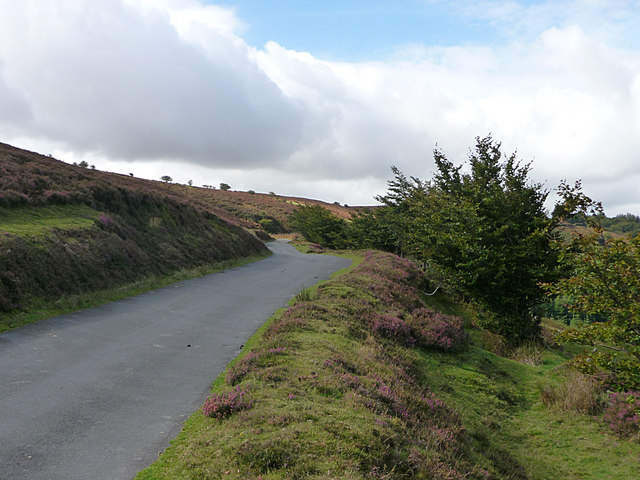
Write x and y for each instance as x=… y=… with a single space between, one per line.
x=39 y=309
x=358 y=380
x=37 y=221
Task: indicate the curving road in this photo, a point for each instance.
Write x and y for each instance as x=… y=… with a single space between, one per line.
x=97 y=394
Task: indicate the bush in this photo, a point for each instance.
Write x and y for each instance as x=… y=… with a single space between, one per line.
x=623 y=414
x=319 y=225
x=436 y=330
x=10 y=292
x=388 y=326
x=271 y=225
x=495 y=343
x=223 y=405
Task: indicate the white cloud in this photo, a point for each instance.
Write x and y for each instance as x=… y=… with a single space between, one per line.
x=151 y=86
x=111 y=78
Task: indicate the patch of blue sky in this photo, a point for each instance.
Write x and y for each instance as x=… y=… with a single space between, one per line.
x=359 y=30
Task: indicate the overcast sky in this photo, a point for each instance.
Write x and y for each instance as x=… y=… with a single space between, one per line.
x=320 y=98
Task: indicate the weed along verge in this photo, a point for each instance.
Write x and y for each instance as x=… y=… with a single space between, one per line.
x=362 y=378
x=334 y=388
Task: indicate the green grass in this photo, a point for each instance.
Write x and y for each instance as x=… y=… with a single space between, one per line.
x=39 y=310
x=501 y=405
x=38 y=221
x=304 y=425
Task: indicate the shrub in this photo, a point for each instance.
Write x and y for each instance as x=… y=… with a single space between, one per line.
x=495 y=343
x=223 y=405
x=10 y=292
x=319 y=225
x=436 y=330
x=623 y=414
x=393 y=328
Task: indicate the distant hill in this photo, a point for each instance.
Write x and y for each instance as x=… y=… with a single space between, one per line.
x=255 y=211
x=627 y=225
x=68 y=230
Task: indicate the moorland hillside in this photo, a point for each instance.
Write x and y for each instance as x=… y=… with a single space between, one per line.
x=67 y=230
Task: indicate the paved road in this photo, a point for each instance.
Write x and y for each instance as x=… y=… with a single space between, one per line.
x=98 y=394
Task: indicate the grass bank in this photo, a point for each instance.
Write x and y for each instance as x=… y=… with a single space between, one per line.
x=39 y=221
x=361 y=379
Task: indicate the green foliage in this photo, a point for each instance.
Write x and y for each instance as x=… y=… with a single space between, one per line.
x=225 y=186
x=558 y=307
x=319 y=225
x=166 y=178
x=602 y=279
x=627 y=224
x=271 y=225
x=373 y=229
x=485 y=231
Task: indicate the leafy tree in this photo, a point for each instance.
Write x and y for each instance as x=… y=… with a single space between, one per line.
x=225 y=186
x=602 y=278
x=319 y=225
x=166 y=178
x=190 y=183
x=485 y=231
x=373 y=229
x=83 y=164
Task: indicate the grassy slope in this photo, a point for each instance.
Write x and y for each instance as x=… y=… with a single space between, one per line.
x=247 y=209
x=39 y=221
x=312 y=419
x=67 y=232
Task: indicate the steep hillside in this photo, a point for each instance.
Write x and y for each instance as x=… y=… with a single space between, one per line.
x=67 y=230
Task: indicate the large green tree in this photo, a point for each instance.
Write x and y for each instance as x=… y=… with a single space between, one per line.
x=484 y=229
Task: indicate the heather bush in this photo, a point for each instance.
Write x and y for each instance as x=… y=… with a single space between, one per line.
x=223 y=405
x=622 y=414
x=436 y=330
x=393 y=328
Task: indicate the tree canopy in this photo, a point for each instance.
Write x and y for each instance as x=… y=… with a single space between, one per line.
x=484 y=230
x=602 y=279
x=319 y=225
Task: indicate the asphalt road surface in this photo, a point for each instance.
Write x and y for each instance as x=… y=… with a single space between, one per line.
x=98 y=394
